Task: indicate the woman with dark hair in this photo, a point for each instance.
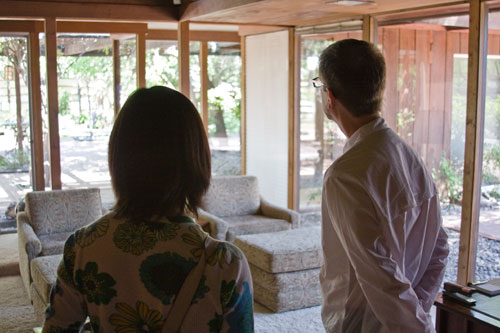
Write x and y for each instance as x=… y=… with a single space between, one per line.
x=146 y=266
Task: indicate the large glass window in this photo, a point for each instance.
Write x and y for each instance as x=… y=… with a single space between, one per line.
x=425 y=103
x=321 y=140
x=162 y=63
x=15 y=140
x=224 y=103
x=487 y=259
x=86 y=113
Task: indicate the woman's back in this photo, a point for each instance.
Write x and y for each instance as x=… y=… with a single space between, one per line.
x=125 y=275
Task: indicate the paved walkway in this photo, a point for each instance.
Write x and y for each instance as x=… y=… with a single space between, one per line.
x=489 y=222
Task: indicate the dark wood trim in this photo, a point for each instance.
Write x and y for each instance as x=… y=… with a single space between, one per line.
x=243 y=124
x=141 y=60
x=36 y=113
x=204 y=83
x=473 y=143
x=292 y=120
x=101 y=27
x=53 y=103
x=195 y=35
x=368 y=30
x=183 y=47
x=87 y=10
x=116 y=76
x=21 y=26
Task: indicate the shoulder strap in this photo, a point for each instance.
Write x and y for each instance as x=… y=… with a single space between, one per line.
x=185 y=296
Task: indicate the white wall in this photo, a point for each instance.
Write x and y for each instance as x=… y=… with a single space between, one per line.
x=267 y=113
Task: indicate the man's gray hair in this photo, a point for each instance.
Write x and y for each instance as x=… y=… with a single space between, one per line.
x=354 y=71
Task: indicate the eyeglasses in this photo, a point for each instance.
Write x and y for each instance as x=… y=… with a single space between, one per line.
x=317 y=83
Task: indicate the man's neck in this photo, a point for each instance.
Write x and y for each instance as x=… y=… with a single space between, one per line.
x=350 y=124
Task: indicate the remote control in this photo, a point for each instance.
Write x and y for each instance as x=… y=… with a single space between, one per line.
x=468 y=301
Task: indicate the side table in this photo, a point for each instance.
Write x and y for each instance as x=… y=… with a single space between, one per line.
x=483 y=317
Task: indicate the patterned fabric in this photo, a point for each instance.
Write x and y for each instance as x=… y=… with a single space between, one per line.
x=125 y=274
x=286 y=282
x=43 y=272
x=284 y=251
x=253 y=224
x=63 y=210
x=285 y=301
x=53 y=243
x=232 y=195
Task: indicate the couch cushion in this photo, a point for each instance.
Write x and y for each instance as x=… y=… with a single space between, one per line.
x=283 y=251
x=232 y=195
x=62 y=210
x=285 y=282
x=253 y=224
x=44 y=273
x=53 y=243
x=286 y=301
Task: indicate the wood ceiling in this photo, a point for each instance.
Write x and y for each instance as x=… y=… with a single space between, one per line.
x=290 y=12
x=261 y=12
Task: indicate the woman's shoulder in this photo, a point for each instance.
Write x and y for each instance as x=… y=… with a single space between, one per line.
x=223 y=254
x=88 y=234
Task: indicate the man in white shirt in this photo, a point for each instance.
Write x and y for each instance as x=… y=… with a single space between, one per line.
x=384 y=248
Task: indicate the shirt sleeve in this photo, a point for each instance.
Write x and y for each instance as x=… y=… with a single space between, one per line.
x=237 y=293
x=429 y=285
x=388 y=292
x=66 y=311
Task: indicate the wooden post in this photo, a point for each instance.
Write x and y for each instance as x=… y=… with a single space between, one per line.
x=183 y=47
x=38 y=176
x=52 y=102
x=294 y=122
x=473 y=142
x=116 y=76
x=293 y=84
x=243 y=121
x=141 y=60
x=369 y=28
x=204 y=83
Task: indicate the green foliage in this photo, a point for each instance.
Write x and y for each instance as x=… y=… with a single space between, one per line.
x=314 y=195
x=449 y=178
x=491 y=166
x=225 y=92
x=14 y=160
x=162 y=65
x=64 y=103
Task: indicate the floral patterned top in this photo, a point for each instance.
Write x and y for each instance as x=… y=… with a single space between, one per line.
x=124 y=275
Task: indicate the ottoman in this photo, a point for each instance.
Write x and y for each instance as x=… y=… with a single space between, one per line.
x=285 y=267
x=43 y=274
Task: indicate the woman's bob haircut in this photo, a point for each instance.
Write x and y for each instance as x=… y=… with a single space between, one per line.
x=159 y=158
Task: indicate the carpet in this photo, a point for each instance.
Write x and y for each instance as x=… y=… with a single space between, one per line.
x=297 y=321
x=9 y=255
x=16 y=312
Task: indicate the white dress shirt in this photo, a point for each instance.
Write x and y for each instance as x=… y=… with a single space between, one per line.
x=384 y=248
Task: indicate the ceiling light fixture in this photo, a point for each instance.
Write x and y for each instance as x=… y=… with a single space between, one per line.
x=177 y=2
x=350 y=2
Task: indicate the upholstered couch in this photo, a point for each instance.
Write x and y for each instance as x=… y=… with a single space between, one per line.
x=49 y=218
x=233 y=206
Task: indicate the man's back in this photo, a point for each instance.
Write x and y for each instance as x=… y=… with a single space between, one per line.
x=384 y=248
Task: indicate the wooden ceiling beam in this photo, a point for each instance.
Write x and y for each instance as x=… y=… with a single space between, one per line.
x=101 y=27
x=87 y=10
x=195 y=35
x=199 y=9
x=21 y=26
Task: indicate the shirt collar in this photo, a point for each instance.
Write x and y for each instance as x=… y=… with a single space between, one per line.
x=362 y=132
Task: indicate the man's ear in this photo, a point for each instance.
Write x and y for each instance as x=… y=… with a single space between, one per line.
x=331 y=98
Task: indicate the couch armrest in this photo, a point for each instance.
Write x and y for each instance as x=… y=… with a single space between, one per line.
x=218 y=227
x=277 y=212
x=27 y=237
x=29 y=248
